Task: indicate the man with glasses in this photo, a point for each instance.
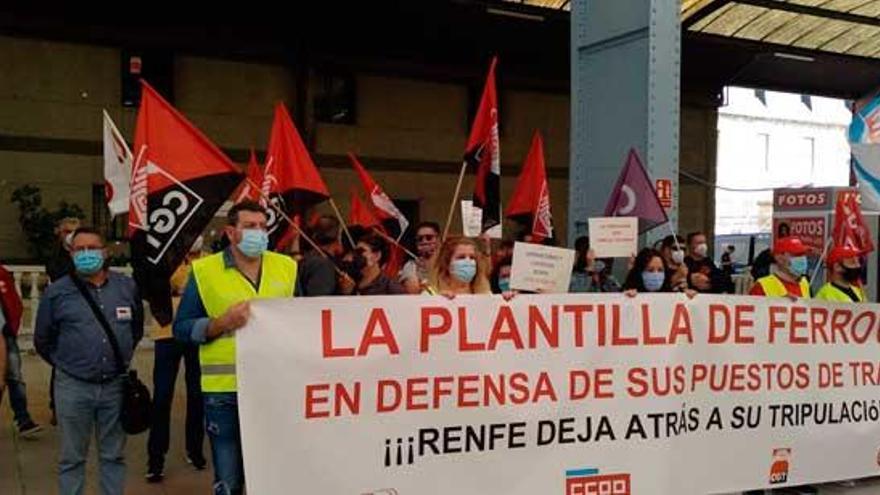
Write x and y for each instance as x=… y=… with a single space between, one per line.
x=88 y=385
x=415 y=272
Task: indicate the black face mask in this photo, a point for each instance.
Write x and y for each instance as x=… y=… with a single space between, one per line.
x=852 y=275
x=354 y=267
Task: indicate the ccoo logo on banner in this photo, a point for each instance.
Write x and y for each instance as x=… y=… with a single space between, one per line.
x=165 y=216
x=590 y=482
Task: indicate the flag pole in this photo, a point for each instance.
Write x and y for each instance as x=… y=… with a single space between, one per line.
x=454 y=201
x=821 y=260
x=396 y=243
x=302 y=234
x=341 y=221
x=296 y=227
x=674 y=237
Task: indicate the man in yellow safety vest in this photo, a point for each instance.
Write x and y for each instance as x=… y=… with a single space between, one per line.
x=215 y=304
x=844 y=276
x=787 y=274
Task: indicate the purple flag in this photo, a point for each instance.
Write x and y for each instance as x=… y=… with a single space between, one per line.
x=634 y=196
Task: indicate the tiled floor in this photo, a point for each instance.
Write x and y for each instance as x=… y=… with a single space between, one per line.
x=33 y=466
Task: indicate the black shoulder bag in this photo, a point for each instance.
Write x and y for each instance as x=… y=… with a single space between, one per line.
x=137 y=407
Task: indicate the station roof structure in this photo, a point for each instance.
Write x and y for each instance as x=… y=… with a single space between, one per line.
x=829 y=47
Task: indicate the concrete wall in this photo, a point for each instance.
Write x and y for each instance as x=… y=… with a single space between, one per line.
x=410 y=133
x=698 y=152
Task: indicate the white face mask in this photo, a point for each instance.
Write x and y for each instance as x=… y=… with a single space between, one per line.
x=678 y=257
x=701 y=249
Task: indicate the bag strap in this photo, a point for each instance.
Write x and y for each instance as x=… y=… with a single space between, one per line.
x=120 y=363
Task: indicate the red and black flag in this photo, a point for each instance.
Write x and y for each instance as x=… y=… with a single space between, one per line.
x=392 y=218
x=250 y=188
x=530 y=203
x=291 y=180
x=179 y=180
x=484 y=153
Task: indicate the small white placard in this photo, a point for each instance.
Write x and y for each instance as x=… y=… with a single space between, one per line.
x=472 y=221
x=614 y=237
x=539 y=268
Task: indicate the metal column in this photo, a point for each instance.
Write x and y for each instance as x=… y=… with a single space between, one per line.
x=625 y=73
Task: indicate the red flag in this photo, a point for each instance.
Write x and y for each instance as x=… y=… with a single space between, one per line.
x=291 y=180
x=383 y=207
x=484 y=152
x=250 y=188
x=849 y=226
x=396 y=259
x=362 y=215
x=290 y=235
x=634 y=196
x=179 y=180
x=359 y=214
x=531 y=198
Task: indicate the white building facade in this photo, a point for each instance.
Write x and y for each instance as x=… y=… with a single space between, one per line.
x=768 y=140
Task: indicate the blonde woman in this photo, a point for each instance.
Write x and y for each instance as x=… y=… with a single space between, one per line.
x=459 y=267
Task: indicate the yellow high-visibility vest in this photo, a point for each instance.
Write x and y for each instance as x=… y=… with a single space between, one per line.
x=773 y=287
x=829 y=292
x=220 y=288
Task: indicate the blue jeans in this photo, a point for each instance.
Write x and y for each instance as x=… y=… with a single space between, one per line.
x=167 y=356
x=221 y=420
x=15 y=382
x=84 y=409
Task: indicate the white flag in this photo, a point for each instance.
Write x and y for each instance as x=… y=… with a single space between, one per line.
x=117 y=168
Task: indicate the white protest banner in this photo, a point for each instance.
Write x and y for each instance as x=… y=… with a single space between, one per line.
x=614 y=237
x=472 y=221
x=538 y=268
x=566 y=394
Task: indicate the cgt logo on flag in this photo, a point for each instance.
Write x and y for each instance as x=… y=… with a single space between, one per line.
x=780 y=465
x=589 y=481
x=164 y=217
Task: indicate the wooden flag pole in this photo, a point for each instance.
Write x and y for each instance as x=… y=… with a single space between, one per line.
x=341 y=222
x=454 y=201
x=396 y=243
x=289 y=220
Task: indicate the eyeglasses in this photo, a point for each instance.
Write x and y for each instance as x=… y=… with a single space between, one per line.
x=427 y=237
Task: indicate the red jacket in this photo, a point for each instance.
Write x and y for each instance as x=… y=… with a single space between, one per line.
x=10 y=301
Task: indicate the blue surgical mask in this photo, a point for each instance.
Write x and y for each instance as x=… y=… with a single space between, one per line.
x=653 y=280
x=464 y=269
x=88 y=261
x=504 y=284
x=253 y=242
x=798 y=265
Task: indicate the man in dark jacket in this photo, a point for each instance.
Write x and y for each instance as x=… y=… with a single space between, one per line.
x=703 y=274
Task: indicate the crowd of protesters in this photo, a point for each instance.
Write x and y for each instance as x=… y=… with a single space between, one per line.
x=211 y=300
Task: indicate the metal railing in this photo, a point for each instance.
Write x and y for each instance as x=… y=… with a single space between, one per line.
x=30 y=282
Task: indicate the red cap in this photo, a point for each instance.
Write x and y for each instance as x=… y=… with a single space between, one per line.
x=790 y=245
x=839 y=253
